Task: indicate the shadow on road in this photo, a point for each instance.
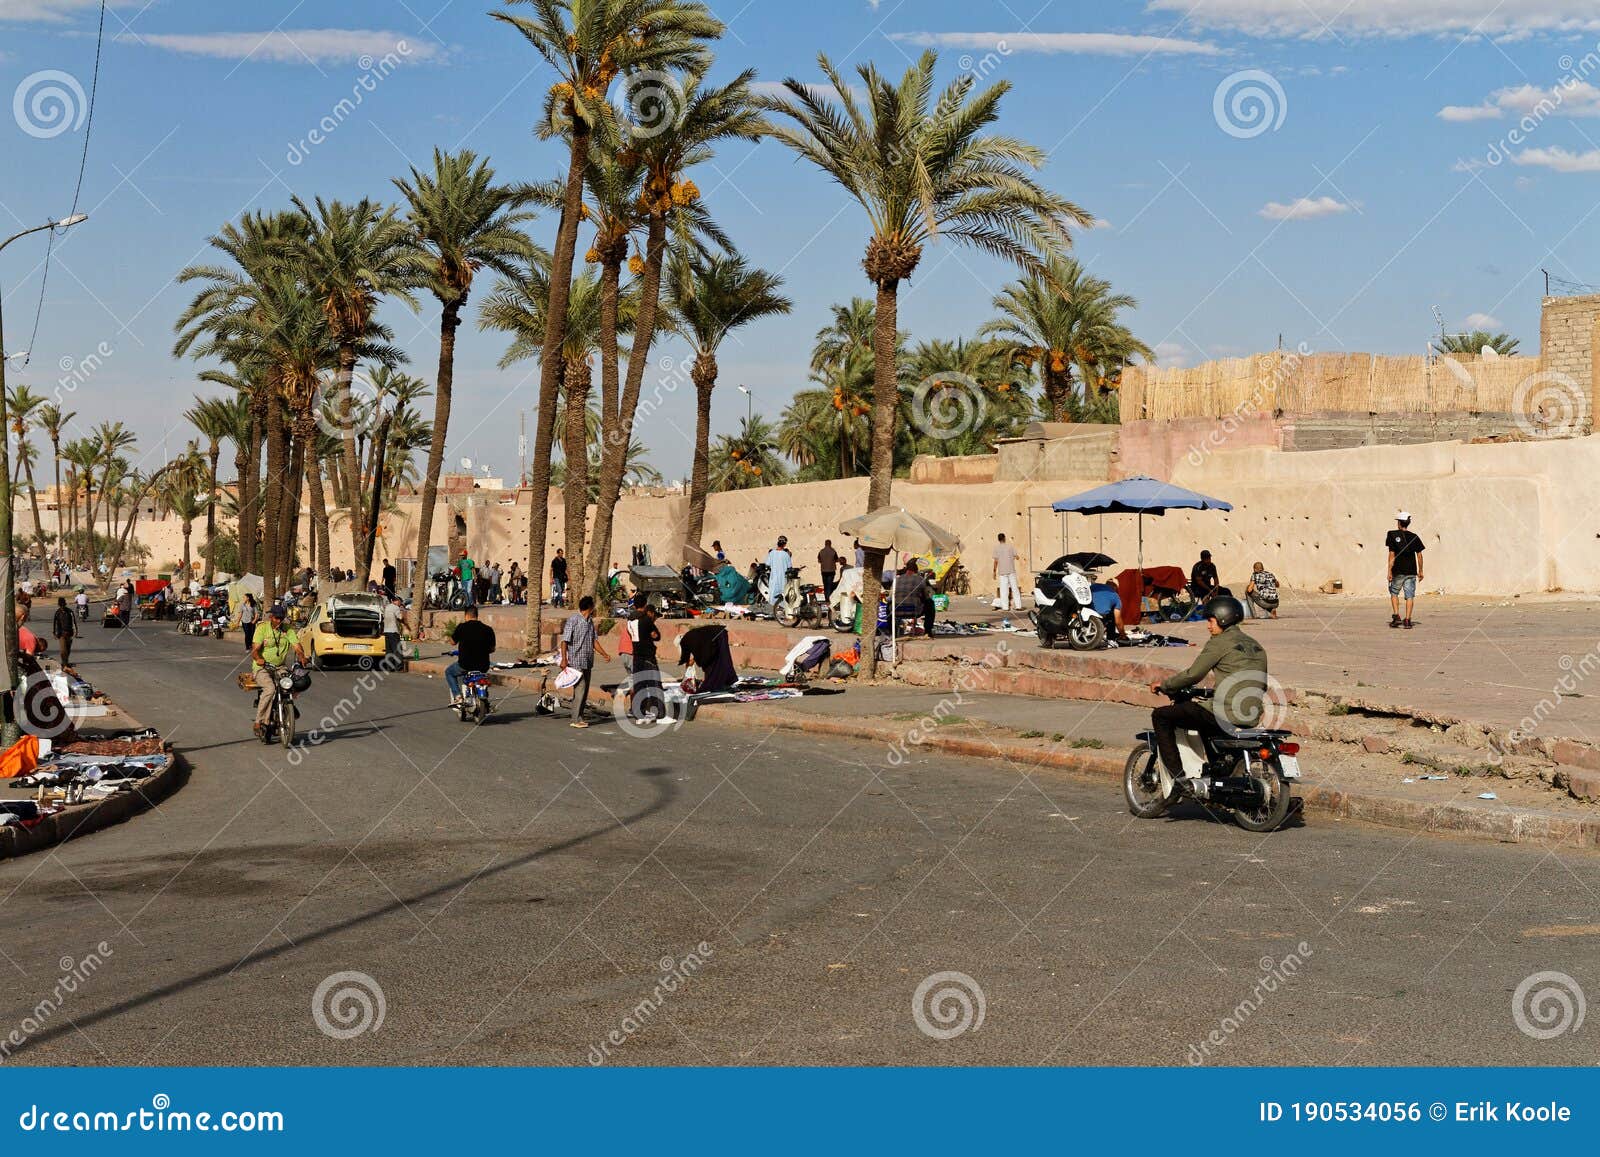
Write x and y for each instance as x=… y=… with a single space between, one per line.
x=665 y=794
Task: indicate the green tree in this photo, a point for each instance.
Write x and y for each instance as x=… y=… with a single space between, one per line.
x=710 y=297
x=463 y=221
x=1473 y=343
x=1065 y=322
x=922 y=167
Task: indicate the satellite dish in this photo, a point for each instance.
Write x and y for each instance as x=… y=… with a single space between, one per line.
x=466 y=463
x=1490 y=354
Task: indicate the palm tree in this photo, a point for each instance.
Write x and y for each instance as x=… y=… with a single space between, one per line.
x=669 y=202
x=922 y=168
x=24 y=405
x=353 y=256
x=843 y=363
x=111 y=439
x=710 y=297
x=748 y=459
x=182 y=492
x=393 y=393
x=968 y=395
x=1066 y=322
x=82 y=455
x=588 y=43
x=217 y=419
x=519 y=307
x=463 y=222
x=1473 y=343
x=53 y=420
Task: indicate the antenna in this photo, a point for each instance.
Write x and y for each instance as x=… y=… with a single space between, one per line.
x=1439 y=317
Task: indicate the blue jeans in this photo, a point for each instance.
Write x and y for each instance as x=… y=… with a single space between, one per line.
x=452 y=679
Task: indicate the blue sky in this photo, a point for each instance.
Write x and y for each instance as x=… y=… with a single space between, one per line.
x=1327 y=170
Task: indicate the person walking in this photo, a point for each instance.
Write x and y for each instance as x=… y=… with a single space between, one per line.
x=828 y=561
x=558 y=579
x=64 y=626
x=1405 y=568
x=394 y=622
x=1009 y=595
x=247 y=620
x=578 y=647
x=779 y=563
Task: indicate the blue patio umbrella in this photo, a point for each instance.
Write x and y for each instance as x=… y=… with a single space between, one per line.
x=1140 y=495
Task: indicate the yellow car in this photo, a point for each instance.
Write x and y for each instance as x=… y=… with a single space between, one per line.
x=346 y=628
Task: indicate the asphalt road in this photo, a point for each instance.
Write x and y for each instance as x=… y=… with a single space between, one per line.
x=514 y=891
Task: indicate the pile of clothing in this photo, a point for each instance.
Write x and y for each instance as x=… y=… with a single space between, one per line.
x=82 y=771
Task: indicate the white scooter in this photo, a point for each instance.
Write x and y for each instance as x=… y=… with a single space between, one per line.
x=1064 y=609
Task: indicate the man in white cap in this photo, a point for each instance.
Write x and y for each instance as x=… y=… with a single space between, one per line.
x=1405 y=568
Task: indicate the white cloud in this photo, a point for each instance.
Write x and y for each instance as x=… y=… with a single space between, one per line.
x=1575 y=98
x=47 y=11
x=291 y=46
x=1171 y=355
x=1560 y=160
x=1473 y=112
x=1318 y=18
x=1078 y=43
x=1483 y=321
x=1303 y=209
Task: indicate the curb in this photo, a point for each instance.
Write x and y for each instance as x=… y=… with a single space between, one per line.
x=81 y=819
x=1504 y=825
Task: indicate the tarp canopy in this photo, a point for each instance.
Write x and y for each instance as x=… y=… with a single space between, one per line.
x=243 y=585
x=1138 y=495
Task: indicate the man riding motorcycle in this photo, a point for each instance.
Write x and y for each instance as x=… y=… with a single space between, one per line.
x=1240 y=664
x=272 y=647
x=474 y=644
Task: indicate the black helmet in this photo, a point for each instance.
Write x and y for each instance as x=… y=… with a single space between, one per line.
x=1227 y=610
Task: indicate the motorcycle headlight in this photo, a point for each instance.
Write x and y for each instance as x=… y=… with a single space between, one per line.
x=286 y=683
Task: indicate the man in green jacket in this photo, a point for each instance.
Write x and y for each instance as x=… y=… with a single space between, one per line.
x=1240 y=664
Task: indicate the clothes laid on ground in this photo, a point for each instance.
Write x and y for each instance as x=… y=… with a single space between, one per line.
x=806 y=655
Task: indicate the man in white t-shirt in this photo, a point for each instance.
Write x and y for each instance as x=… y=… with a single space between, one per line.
x=1005 y=576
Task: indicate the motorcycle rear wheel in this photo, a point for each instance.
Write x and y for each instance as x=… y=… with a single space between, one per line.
x=1142 y=801
x=480 y=709
x=1277 y=797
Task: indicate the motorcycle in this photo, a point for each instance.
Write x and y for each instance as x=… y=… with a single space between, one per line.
x=1064 y=609
x=802 y=602
x=473 y=706
x=444 y=591
x=1245 y=772
x=287 y=682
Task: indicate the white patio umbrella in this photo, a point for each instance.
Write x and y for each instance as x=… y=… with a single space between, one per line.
x=897 y=529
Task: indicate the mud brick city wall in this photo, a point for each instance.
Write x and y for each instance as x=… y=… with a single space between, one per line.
x=1566 y=337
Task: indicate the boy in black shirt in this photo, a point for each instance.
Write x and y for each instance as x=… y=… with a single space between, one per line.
x=1405 y=568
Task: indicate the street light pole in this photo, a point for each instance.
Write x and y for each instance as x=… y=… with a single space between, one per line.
x=8 y=590
x=749 y=407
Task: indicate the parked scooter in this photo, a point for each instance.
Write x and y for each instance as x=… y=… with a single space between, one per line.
x=1245 y=772
x=802 y=602
x=1064 y=608
x=444 y=591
